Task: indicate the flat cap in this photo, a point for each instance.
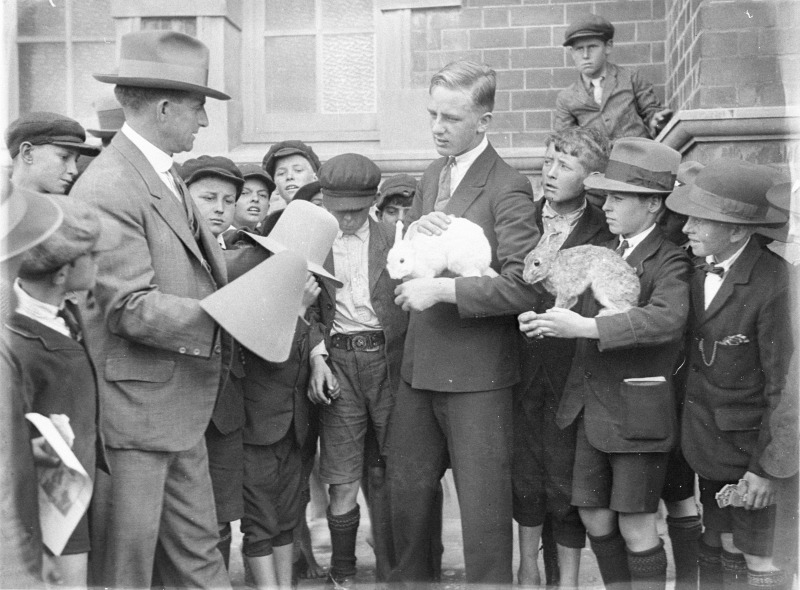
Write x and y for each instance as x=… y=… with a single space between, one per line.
x=307 y=191
x=42 y=127
x=256 y=171
x=399 y=185
x=591 y=25
x=349 y=181
x=289 y=148
x=197 y=168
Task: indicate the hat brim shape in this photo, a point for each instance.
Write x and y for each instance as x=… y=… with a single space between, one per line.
x=102 y=133
x=28 y=218
x=276 y=247
x=586 y=35
x=160 y=83
x=693 y=201
x=598 y=181
x=83 y=148
x=260 y=308
x=347 y=203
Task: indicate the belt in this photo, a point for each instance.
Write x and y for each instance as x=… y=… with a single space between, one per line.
x=361 y=341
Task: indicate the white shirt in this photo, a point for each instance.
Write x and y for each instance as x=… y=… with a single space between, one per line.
x=39 y=311
x=354 y=311
x=635 y=241
x=557 y=227
x=160 y=160
x=463 y=162
x=714 y=282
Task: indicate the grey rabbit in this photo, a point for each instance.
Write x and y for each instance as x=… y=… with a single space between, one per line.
x=568 y=273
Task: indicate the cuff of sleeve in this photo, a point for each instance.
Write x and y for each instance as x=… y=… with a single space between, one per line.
x=319 y=350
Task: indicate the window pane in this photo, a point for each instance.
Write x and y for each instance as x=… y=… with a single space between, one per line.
x=346 y=13
x=348 y=74
x=94 y=58
x=41 y=77
x=92 y=18
x=40 y=18
x=186 y=25
x=293 y=15
x=290 y=85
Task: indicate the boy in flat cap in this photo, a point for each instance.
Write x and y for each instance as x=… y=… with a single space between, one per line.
x=739 y=348
x=617 y=101
x=44 y=148
x=619 y=391
x=395 y=198
x=252 y=206
x=291 y=164
x=365 y=347
x=159 y=355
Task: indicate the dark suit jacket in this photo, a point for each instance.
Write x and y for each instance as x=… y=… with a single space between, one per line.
x=474 y=344
x=628 y=105
x=643 y=342
x=158 y=354
x=726 y=416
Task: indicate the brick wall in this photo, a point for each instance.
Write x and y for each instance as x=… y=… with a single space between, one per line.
x=733 y=54
x=522 y=40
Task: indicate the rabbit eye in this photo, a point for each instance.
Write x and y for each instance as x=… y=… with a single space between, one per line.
x=537 y=262
x=402 y=260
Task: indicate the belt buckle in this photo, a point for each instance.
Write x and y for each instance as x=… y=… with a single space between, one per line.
x=359 y=342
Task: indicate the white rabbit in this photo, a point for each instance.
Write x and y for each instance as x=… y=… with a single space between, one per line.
x=462 y=249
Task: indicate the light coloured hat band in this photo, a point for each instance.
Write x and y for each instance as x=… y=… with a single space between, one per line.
x=638 y=176
x=713 y=202
x=134 y=68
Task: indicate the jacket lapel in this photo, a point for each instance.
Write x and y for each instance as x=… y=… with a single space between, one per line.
x=609 y=83
x=738 y=274
x=644 y=250
x=472 y=184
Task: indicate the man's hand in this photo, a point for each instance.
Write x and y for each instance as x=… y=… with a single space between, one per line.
x=659 y=120
x=760 y=492
x=311 y=291
x=432 y=224
x=529 y=325
x=557 y=323
x=322 y=378
x=420 y=294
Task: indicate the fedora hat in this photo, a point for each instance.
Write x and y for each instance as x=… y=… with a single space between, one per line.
x=780 y=197
x=730 y=191
x=637 y=165
x=307 y=230
x=110 y=117
x=261 y=307
x=162 y=59
x=27 y=218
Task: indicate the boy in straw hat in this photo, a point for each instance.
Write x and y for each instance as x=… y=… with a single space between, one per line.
x=619 y=390
x=159 y=354
x=740 y=344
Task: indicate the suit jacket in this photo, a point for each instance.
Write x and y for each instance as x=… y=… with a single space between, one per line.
x=733 y=387
x=553 y=355
x=626 y=109
x=473 y=345
x=393 y=319
x=645 y=341
x=158 y=354
x=228 y=415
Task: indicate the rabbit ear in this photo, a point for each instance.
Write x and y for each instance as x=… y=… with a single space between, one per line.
x=398 y=234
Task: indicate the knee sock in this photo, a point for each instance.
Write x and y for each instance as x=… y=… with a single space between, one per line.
x=709 y=560
x=684 y=534
x=224 y=544
x=777 y=580
x=343 y=528
x=552 y=572
x=648 y=568
x=612 y=560
x=734 y=571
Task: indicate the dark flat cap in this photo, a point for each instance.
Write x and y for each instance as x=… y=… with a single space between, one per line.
x=197 y=168
x=42 y=127
x=591 y=25
x=256 y=171
x=307 y=191
x=289 y=148
x=349 y=181
x=399 y=185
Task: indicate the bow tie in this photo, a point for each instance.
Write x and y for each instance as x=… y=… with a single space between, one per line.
x=711 y=268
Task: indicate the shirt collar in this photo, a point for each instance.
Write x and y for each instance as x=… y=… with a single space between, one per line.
x=728 y=262
x=465 y=160
x=588 y=81
x=160 y=160
x=32 y=307
x=638 y=238
x=548 y=211
x=362 y=233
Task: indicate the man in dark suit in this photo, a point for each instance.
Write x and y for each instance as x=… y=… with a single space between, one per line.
x=739 y=349
x=159 y=355
x=461 y=355
x=543 y=453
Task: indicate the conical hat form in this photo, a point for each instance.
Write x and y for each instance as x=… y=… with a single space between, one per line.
x=260 y=308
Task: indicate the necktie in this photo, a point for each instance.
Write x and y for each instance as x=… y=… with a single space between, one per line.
x=711 y=269
x=597 y=90
x=622 y=248
x=72 y=323
x=443 y=195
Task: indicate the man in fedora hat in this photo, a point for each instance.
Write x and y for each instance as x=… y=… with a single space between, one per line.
x=740 y=344
x=619 y=390
x=110 y=117
x=159 y=354
x=44 y=148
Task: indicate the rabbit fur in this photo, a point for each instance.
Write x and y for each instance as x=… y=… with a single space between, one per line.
x=461 y=249
x=568 y=273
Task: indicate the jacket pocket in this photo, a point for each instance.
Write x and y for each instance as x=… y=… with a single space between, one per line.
x=736 y=419
x=647 y=410
x=149 y=371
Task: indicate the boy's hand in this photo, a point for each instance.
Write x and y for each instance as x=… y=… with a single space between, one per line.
x=659 y=120
x=311 y=291
x=529 y=325
x=420 y=294
x=560 y=323
x=760 y=492
x=432 y=224
x=322 y=386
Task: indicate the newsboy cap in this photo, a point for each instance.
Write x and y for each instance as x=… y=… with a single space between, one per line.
x=42 y=127
x=349 y=181
x=289 y=147
x=399 y=185
x=591 y=25
x=197 y=168
x=256 y=171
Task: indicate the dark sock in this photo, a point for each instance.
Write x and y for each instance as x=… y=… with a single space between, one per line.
x=648 y=568
x=224 y=544
x=343 y=528
x=734 y=570
x=552 y=572
x=710 y=566
x=777 y=580
x=684 y=535
x=612 y=560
